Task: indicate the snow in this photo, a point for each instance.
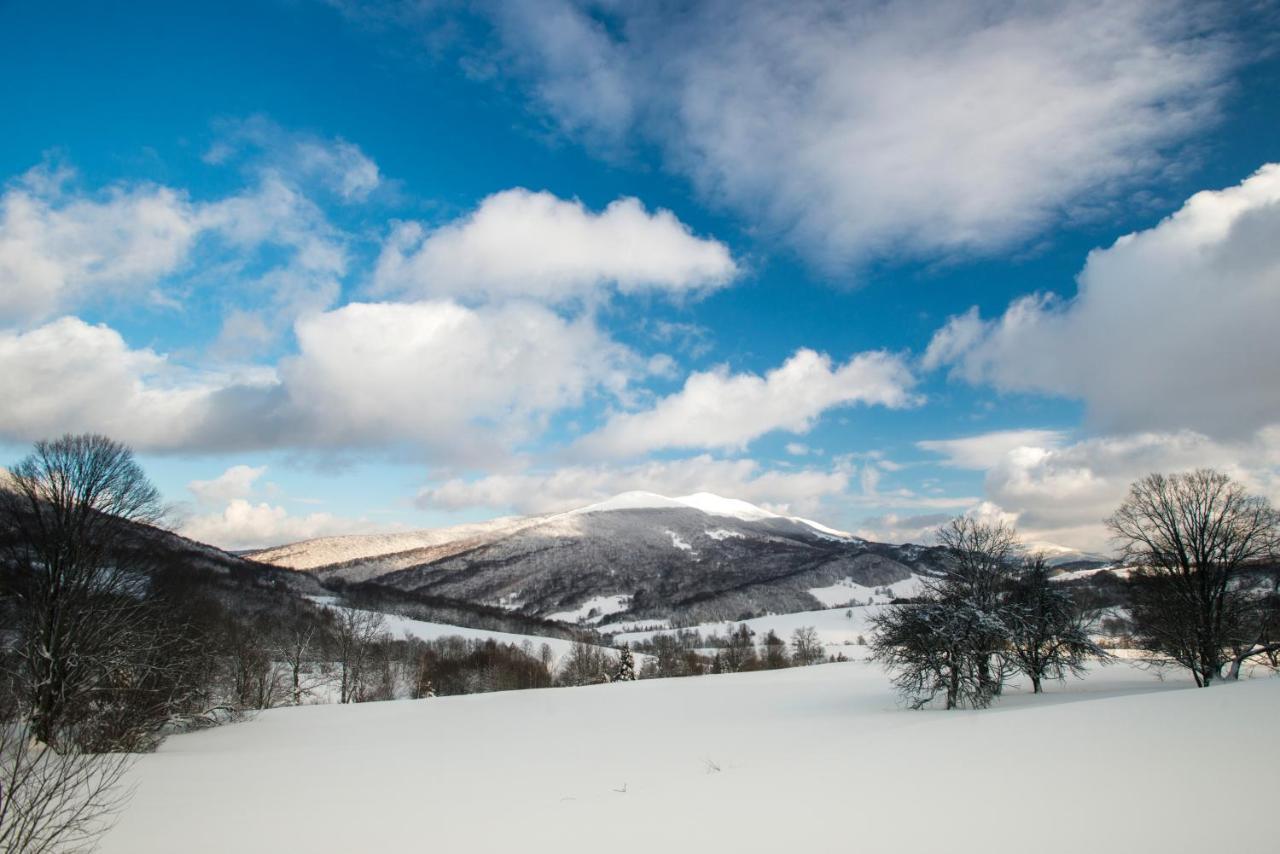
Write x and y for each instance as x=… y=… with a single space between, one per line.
x=1120 y=571
x=1057 y=555
x=846 y=590
x=830 y=533
x=633 y=501
x=817 y=759
x=399 y=626
x=838 y=628
x=714 y=505
x=603 y=605
x=650 y=625
x=680 y=542
x=324 y=551
x=379 y=554
x=724 y=534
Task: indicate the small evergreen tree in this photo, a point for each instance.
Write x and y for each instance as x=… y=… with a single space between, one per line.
x=626 y=671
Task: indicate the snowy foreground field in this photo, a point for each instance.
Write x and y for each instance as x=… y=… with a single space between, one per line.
x=814 y=759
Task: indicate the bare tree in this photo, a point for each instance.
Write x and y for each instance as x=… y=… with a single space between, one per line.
x=981 y=558
x=296 y=646
x=1048 y=637
x=955 y=639
x=586 y=664
x=357 y=632
x=1195 y=540
x=806 y=648
x=54 y=800
x=67 y=514
x=929 y=647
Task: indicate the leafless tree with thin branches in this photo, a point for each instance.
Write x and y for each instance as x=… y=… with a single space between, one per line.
x=66 y=515
x=52 y=800
x=1200 y=544
x=356 y=633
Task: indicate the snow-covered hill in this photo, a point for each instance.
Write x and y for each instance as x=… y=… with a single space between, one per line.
x=329 y=551
x=818 y=759
x=637 y=555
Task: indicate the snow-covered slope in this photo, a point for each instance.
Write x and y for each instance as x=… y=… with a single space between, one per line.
x=327 y=551
x=1057 y=555
x=330 y=551
x=816 y=759
x=698 y=556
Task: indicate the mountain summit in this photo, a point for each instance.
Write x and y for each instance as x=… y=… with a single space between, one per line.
x=638 y=555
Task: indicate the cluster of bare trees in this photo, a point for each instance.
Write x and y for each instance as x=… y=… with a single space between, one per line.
x=990 y=614
x=1203 y=594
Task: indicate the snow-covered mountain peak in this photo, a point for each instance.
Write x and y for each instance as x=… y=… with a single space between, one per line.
x=705 y=502
x=716 y=505
x=637 y=500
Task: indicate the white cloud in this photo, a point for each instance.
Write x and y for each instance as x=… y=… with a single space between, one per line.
x=441 y=374
x=716 y=409
x=1173 y=327
x=894 y=528
x=58 y=248
x=69 y=376
x=235 y=482
x=245 y=525
x=986 y=450
x=268 y=247
x=1061 y=492
x=575 y=486
x=449 y=380
x=892 y=129
x=336 y=165
x=534 y=245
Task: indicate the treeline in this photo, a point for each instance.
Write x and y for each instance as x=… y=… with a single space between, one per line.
x=685 y=652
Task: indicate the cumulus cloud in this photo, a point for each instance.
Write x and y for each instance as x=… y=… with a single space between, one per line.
x=58 y=247
x=519 y=243
x=434 y=372
x=437 y=375
x=893 y=129
x=235 y=482
x=789 y=491
x=70 y=376
x=1060 y=492
x=243 y=524
x=1172 y=327
x=717 y=409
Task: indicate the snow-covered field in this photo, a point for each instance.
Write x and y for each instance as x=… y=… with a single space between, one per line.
x=847 y=590
x=399 y=627
x=815 y=759
x=837 y=628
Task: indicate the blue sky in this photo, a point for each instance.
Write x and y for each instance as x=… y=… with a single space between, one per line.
x=335 y=267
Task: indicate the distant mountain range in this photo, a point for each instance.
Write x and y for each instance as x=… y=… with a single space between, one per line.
x=638 y=556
